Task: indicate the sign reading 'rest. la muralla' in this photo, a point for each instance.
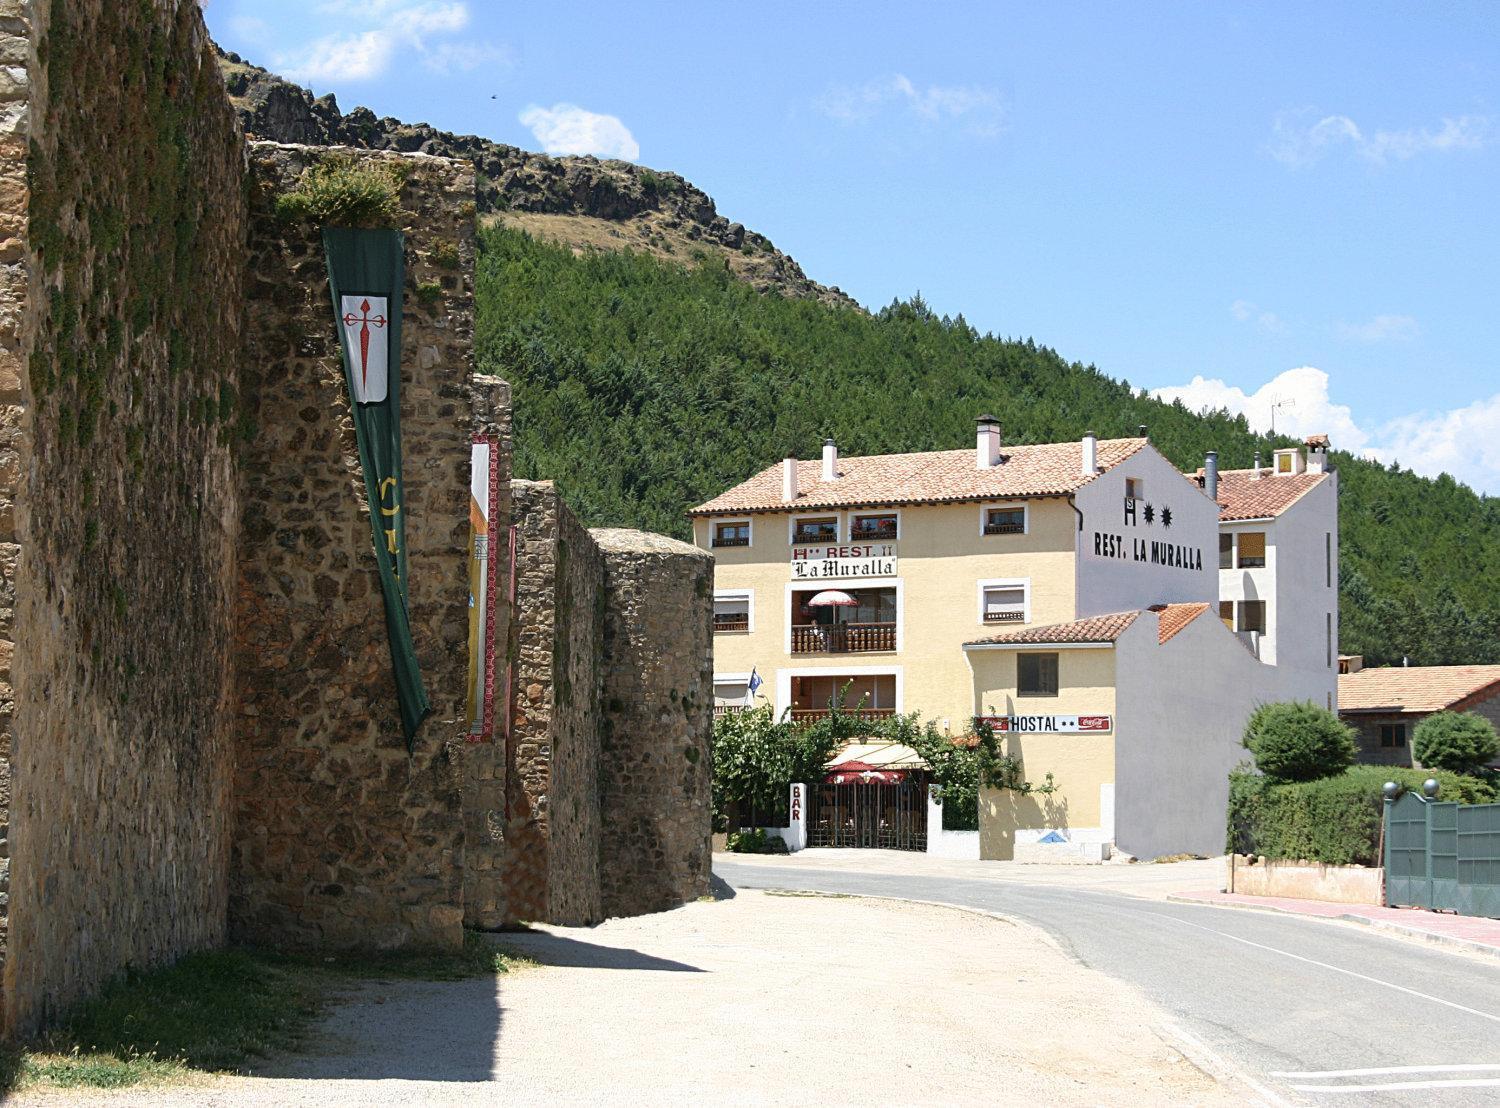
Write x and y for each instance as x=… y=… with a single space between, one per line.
x=366 y=323
x=820 y=563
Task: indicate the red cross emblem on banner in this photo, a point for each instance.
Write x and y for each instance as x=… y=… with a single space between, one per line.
x=366 y=324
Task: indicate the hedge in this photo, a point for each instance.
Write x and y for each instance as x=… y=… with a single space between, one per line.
x=1335 y=819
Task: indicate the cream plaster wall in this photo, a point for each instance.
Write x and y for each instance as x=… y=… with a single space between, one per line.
x=942 y=555
x=1079 y=764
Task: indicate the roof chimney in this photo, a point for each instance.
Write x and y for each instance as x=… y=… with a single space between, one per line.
x=987 y=443
x=1211 y=474
x=1255 y=471
x=830 y=461
x=1317 y=454
x=1090 y=454
x=789 y=478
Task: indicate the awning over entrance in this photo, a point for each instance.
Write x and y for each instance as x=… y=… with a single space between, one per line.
x=873 y=763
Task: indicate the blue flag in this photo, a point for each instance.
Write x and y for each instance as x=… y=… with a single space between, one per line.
x=755 y=681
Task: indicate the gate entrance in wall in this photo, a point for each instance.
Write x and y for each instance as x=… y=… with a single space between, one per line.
x=874 y=813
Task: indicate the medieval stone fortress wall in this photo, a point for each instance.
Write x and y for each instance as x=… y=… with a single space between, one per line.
x=199 y=736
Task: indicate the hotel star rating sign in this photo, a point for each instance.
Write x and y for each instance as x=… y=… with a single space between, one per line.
x=365 y=322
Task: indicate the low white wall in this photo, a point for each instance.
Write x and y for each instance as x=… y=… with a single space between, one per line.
x=963 y=845
x=1305 y=880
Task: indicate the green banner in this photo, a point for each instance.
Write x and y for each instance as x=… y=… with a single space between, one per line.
x=366 y=272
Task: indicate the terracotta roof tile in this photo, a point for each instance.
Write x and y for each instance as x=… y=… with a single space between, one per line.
x=1415 y=688
x=1094 y=629
x=1046 y=469
x=1243 y=497
x=1172 y=618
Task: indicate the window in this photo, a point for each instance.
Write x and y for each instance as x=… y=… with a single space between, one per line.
x=1253 y=615
x=1002 y=602
x=1005 y=521
x=875 y=528
x=1393 y=734
x=1226 y=613
x=1135 y=488
x=1328 y=558
x=822 y=529
x=1226 y=550
x=1328 y=642
x=1252 y=549
x=731 y=694
x=731 y=612
x=732 y=534
x=1036 y=675
x=1283 y=462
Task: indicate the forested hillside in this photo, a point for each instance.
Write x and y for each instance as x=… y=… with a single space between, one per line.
x=644 y=387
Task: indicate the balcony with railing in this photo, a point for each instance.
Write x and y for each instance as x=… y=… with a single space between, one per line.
x=731 y=621
x=812 y=715
x=729 y=709
x=876 y=529
x=1017 y=615
x=843 y=638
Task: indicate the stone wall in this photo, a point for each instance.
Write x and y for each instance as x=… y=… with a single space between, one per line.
x=545 y=865
x=343 y=838
x=120 y=315
x=654 y=772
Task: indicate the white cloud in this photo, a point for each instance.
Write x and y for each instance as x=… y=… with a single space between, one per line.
x=1463 y=442
x=387 y=28
x=981 y=109
x=1298 y=138
x=1245 y=311
x=1383 y=328
x=569 y=129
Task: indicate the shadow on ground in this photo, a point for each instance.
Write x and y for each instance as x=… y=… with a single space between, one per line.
x=559 y=950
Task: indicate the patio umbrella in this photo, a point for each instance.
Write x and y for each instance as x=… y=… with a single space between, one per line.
x=833 y=598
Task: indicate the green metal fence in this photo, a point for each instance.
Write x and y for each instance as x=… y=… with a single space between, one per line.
x=1442 y=855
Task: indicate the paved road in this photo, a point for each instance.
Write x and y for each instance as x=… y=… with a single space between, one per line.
x=1314 y=1012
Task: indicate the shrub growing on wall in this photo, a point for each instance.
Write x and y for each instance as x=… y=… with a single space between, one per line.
x=1459 y=741
x=1298 y=741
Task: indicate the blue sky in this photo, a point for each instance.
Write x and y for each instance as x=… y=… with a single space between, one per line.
x=1244 y=205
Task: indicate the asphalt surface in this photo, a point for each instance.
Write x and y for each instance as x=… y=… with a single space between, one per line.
x=1311 y=1012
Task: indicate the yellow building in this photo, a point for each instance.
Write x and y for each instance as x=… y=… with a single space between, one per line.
x=964 y=577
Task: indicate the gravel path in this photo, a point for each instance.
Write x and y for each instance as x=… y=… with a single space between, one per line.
x=756 y=999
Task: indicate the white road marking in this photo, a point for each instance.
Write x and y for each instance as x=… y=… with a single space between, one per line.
x=1340 y=969
x=1401 y=1086
x=1464 y=1067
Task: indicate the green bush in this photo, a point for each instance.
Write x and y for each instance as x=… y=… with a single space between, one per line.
x=1298 y=741
x=1333 y=819
x=1459 y=741
x=342 y=193
x=755 y=841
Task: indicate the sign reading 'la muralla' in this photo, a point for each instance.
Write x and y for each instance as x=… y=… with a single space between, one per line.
x=852 y=560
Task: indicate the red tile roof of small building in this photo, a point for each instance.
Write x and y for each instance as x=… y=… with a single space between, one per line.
x=1093 y=629
x=1242 y=496
x=1171 y=618
x=1416 y=688
x=935 y=477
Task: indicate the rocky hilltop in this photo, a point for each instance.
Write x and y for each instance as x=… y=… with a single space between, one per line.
x=583 y=202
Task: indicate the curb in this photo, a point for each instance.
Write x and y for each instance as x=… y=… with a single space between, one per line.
x=1432 y=938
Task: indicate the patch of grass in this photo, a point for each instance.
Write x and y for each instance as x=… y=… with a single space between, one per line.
x=429 y=292
x=213 y=1012
x=810 y=893
x=1168 y=858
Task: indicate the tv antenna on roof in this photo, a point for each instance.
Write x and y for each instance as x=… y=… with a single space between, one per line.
x=1276 y=405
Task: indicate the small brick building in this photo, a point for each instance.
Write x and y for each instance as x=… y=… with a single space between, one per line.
x=1385 y=705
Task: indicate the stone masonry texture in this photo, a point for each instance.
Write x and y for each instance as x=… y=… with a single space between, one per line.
x=343 y=838
x=654 y=765
x=122 y=219
x=545 y=864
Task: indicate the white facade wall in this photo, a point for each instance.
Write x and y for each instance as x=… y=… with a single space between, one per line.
x=1238 y=585
x=1181 y=708
x=1112 y=577
x=1307 y=595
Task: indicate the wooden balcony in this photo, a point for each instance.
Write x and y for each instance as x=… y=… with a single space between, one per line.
x=875 y=532
x=1005 y=617
x=844 y=638
x=731 y=623
x=812 y=715
x=728 y=709
x=731 y=540
x=1004 y=528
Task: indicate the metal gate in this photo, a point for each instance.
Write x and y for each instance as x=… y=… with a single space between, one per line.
x=1442 y=855
x=892 y=816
